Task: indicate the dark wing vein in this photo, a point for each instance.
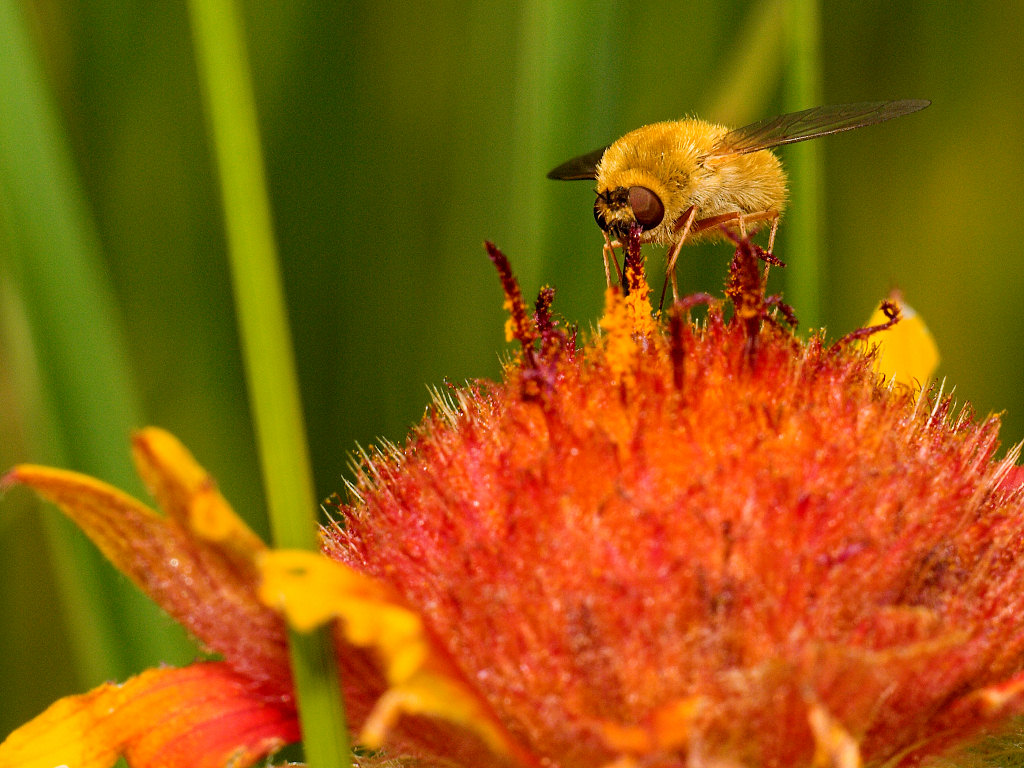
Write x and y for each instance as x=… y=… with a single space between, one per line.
x=811 y=123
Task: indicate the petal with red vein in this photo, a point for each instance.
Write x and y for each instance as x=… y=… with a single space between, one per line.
x=207 y=587
x=202 y=716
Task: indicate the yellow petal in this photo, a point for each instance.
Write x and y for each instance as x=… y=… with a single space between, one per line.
x=188 y=493
x=907 y=352
x=312 y=589
x=431 y=694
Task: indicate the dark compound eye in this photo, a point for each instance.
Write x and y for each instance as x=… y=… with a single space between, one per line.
x=647 y=207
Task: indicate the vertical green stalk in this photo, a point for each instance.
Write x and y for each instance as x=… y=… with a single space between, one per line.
x=803 y=226
x=69 y=356
x=540 y=66
x=266 y=345
x=551 y=69
x=751 y=73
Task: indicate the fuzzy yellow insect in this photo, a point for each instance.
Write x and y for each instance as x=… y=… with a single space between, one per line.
x=682 y=180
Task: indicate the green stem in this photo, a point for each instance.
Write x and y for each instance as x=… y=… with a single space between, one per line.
x=270 y=365
x=804 y=220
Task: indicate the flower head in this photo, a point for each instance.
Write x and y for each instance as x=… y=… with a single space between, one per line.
x=680 y=544
x=680 y=551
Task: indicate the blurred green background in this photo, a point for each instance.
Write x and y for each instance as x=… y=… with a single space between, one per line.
x=398 y=136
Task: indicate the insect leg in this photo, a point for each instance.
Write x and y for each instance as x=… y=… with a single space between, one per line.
x=771 y=247
x=741 y=220
x=670 y=268
x=713 y=222
x=604 y=257
x=609 y=248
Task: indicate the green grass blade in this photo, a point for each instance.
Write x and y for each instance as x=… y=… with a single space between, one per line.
x=552 y=66
x=750 y=75
x=73 y=354
x=804 y=228
x=266 y=344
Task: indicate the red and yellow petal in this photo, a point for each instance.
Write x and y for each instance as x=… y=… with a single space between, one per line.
x=202 y=716
x=197 y=563
x=204 y=566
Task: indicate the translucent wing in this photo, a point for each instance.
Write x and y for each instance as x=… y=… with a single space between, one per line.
x=582 y=167
x=811 y=123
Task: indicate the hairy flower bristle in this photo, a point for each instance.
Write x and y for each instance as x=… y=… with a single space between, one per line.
x=685 y=553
